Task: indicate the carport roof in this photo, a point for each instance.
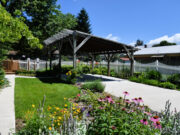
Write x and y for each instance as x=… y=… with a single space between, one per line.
x=89 y=43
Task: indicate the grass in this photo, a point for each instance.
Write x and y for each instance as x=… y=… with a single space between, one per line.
x=30 y=91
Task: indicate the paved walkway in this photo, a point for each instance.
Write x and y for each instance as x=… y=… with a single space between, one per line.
x=154 y=97
x=7 y=114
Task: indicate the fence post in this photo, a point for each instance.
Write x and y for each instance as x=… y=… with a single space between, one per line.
x=157 y=65
x=28 y=64
x=134 y=66
x=37 y=63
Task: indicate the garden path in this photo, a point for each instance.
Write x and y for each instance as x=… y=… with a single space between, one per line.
x=154 y=97
x=7 y=113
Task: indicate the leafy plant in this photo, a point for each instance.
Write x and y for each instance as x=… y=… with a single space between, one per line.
x=96 y=86
x=175 y=79
x=155 y=75
x=167 y=85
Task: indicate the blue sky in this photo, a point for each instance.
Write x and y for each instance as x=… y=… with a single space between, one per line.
x=129 y=20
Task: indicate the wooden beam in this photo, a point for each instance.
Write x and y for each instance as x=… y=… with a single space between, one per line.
x=82 y=43
x=71 y=44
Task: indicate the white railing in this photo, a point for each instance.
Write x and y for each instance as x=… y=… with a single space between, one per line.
x=117 y=66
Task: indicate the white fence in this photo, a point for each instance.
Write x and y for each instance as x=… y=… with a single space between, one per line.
x=117 y=66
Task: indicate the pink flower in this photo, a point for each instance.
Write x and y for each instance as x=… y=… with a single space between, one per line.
x=135 y=100
x=157 y=124
x=101 y=107
x=144 y=121
x=126 y=93
x=101 y=99
x=78 y=95
x=140 y=100
x=128 y=101
x=109 y=99
x=148 y=113
x=155 y=119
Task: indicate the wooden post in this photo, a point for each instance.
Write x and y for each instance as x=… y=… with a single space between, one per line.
x=132 y=63
x=59 y=48
x=47 y=60
x=50 y=65
x=108 y=64
x=74 y=49
x=93 y=57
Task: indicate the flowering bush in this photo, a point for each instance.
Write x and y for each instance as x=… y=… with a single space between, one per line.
x=54 y=120
x=3 y=80
x=71 y=76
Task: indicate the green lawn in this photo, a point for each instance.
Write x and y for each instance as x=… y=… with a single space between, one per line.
x=31 y=91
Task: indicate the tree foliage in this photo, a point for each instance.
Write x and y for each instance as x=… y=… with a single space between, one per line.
x=164 y=43
x=43 y=17
x=12 y=30
x=83 y=23
x=139 y=43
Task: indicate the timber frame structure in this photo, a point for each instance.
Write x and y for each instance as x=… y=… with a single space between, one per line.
x=77 y=42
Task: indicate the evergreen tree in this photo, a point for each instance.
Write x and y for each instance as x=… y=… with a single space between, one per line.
x=83 y=23
x=139 y=43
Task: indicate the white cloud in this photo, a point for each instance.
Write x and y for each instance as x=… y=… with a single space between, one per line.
x=132 y=43
x=173 y=39
x=111 y=37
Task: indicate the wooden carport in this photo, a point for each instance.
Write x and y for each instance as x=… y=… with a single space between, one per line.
x=76 y=42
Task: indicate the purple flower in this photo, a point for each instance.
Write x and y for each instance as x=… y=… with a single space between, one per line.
x=87 y=114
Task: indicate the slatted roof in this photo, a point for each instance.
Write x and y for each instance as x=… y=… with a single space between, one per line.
x=92 y=44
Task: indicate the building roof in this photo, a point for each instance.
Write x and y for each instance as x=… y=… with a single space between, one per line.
x=164 y=50
x=93 y=44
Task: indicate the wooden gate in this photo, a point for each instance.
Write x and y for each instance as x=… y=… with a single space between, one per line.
x=11 y=66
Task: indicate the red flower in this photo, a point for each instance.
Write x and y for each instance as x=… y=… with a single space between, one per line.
x=126 y=93
x=113 y=127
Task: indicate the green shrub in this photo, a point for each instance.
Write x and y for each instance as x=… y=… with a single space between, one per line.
x=96 y=71
x=71 y=76
x=167 y=85
x=175 y=79
x=26 y=72
x=95 y=86
x=134 y=79
x=66 y=68
x=2 y=79
x=113 y=73
x=85 y=69
x=104 y=70
x=155 y=75
x=151 y=82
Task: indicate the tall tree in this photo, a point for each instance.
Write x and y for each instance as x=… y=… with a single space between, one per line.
x=43 y=17
x=139 y=43
x=12 y=30
x=164 y=43
x=83 y=23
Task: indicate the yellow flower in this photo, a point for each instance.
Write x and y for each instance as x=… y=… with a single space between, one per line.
x=33 y=106
x=49 y=108
x=66 y=73
x=65 y=105
x=50 y=128
x=65 y=98
x=73 y=108
x=57 y=108
x=59 y=124
x=53 y=125
x=59 y=118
